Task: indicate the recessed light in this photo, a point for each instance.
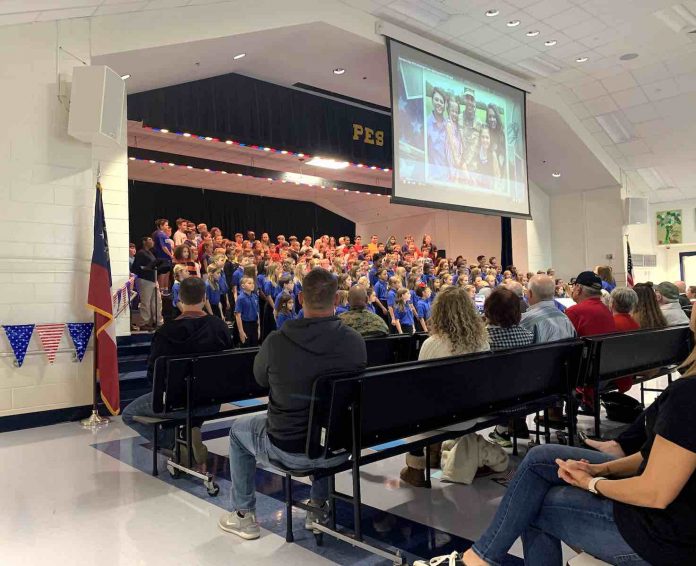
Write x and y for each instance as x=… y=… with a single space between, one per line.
x=492 y=13
x=513 y=23
x=556 y=174
x=163 y=131
x=189 y=167
x=239 y=56
x=132 y=158
x=338 y=71
x=629 y=56
x=152 y=161
x=126 y=76
x=208 y=138
x=171 y=164
x=582 y=60
x=550 y=43
x=228 y=142
x=533 y=33
x=187 y=135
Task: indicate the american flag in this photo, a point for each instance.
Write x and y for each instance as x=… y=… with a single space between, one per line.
x=629 y=265
x=50 y=336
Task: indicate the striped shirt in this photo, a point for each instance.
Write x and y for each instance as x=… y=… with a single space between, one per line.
x=547 y=323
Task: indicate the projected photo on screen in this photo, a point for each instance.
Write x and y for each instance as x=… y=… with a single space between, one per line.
x=459 y=137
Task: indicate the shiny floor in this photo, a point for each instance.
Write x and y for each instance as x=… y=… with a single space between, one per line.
x=75 y=497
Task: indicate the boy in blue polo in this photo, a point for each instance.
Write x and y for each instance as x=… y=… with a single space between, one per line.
x=423 y=307
x=246 y=313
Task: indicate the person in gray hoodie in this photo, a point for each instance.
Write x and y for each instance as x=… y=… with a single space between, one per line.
x=288 y=363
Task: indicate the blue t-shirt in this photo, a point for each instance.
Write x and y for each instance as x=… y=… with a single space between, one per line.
x=222 y=282
x=404 y=316
x=391 y=298
x=427 y=278
x=608 y=287
x=283 y=318
x=237 y=278
x=213 y=295
x=271 y=290
x=372 y=276
x=300 y=314
x=414 y=297
x=160 y=239
x=381 y=290
x=371 y=308
x=260 y=281
x=248 y=306
x=175 y=292
x=297 y=289
x=340 y=309
x=277 y=299
x=423 y=308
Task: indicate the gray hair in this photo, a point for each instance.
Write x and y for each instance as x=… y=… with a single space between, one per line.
x=542 y=287
x=516 y=287
x=589 y=291
x=624 y=300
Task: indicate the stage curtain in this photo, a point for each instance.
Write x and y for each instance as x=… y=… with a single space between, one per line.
x=506 y=241
x=231 y=212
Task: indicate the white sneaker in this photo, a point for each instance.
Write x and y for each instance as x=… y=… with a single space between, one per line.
x=454 y=559
x=245 y=527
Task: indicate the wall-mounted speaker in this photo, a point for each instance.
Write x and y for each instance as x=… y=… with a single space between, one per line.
x=96 y=105
x=636 y=210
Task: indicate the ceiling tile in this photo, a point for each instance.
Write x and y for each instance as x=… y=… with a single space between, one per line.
x=459 y=26
x=591 y=125
x=545 y=8
x=588 y=90
x=619 y=82
x=50 y=15
x=502 y=44
x=636 y=147
x=651 y=73
x=520 y=53
x=482 y=35
x=687 y=83
x=22 y=18
x=569 y=50
x=161 y=4
x=18 y=6
x=105 y=10
x=603 y=138
x=596 y=39
x=580 y=110
x=629 y=97
x=600 y=105
x=641 y=113
x=567 y=18
x=592 y=28
x=661 y=89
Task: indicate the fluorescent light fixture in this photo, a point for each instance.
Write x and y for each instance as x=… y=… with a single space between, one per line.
x=582 y=60
x=653 y=178
x=678 y=18
x=550 y=43
x=419 y=11
x=339 y=71
x=126 y=76
x=187 y=135
x=239 y=56
x=513 y=23
x=328 y=163
x=616 y=127
x=163 y=131
x=132 y=158
x=533 y=33
x=492 y=13
x=539 y=66
x=556 y=174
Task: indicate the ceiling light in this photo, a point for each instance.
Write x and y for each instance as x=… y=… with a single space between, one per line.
x=539 y=66
x=339 y=71
x=492 y=13
x=616 y=127
x=126 y=76
x=239 y=56
x=208 y=139
x=152 y=161
x=582 y=60
x=229 y=142
x=513 y=23
x=328 y=163
x=550 y=43
x=533 y=33
x=163 y=131
x=171 y=164
x=132 y=158
x=556 y=174
x=187 y=135
x=189 y=167
x=678 y=18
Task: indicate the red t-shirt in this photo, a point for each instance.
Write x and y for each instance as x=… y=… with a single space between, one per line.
x=591 y=317
x=625 y=322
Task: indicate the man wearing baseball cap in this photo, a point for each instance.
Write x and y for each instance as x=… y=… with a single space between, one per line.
x=589 y=316
x=667 y=295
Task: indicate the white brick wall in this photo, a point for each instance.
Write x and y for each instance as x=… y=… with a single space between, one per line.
x=46 y=208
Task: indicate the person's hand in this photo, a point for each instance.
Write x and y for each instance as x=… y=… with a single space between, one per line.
x=242 y=337
x=574 y=472
x=393 y=322
x=592 y=469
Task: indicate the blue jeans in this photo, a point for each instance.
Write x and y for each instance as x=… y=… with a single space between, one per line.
x=249 y=443
x=544 y=510
x=142 y=407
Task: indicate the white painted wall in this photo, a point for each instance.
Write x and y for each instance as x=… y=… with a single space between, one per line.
x=585 y=228
x=47 y=193
x=539 y=230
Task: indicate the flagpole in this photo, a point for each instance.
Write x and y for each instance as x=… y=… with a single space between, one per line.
x=94 y=421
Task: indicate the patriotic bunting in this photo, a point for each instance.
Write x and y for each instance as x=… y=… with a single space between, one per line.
x=19 y=336
x=80 y=333
x=50 y=336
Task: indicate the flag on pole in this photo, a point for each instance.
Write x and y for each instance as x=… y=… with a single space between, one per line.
x=100 y=301
x=629 y=265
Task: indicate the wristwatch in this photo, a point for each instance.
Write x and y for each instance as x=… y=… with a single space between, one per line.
x=592 y=488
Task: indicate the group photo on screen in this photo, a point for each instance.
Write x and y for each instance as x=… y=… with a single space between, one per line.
x=458 y=132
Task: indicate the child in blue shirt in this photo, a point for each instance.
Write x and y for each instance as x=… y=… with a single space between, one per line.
x=287 y=287
x=213 y=291
x=285 y=309
x=180 y=273
x=246 y=313
x=403 y=312
x=394 y=285
x=342 y=302
x=423 y=308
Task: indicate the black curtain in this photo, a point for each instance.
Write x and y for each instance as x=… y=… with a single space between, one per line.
x=231 y=212
x=506 y=241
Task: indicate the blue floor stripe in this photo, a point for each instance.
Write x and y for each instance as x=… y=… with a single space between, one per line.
x=248 y=403
x=388 y=445
x=414 y=539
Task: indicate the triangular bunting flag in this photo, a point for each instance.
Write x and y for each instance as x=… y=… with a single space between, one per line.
x=80 y=333
x=19 y=336
x=50 y=335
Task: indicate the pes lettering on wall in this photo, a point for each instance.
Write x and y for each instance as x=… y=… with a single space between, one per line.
x=368 y=135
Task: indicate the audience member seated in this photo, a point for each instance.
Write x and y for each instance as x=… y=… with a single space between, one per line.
x=543 y=318
x=364 y=322
x=638 y=509
x=517 y=288
x=647 y=312
x=455 y=329
x=623 y=303
x=192 y=332
x=684 y=300
x=288 y=363
x=502 y=312
x=668 y=298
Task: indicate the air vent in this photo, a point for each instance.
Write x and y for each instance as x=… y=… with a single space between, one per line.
x=650 y=260
x=638 y=260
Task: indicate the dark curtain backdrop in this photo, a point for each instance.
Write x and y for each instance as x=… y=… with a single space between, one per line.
x=506 y=241
x=231 y=212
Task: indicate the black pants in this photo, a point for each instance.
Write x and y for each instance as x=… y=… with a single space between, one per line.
x=251 y=329
x=407 y=329
x=632 y=439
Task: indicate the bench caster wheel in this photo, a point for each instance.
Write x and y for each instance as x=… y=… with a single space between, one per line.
x=174 y=472
x=319 y=539
x=212 y=488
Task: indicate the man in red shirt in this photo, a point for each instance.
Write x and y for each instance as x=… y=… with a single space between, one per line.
x=590 y=317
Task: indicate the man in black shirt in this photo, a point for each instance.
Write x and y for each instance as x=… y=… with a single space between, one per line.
x=193 y=332
x=289 y=362
x=145 y=267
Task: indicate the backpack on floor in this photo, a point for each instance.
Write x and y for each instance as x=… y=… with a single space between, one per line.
x=621 y=407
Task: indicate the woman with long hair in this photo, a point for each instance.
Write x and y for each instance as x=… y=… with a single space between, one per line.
x=647 y=312
x=455 y=329
x=497 y=132
x=606 y=274
x=486 y=167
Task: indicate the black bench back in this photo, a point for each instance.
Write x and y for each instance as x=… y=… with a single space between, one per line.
x=404 y=399
x=388 y=349
x=617 y=355
x=217 y=378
